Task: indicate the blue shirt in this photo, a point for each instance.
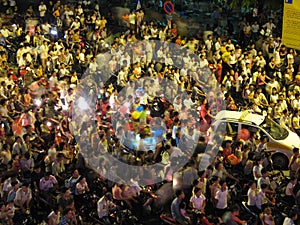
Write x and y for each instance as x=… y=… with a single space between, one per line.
x=175 y=209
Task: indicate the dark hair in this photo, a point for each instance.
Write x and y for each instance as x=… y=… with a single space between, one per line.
x=178 y=193
x=292 y=213
x=222 y=182
x=66 y=211
x=196 y=190
x=251 y=182
x=263 y=186
x=234 y=208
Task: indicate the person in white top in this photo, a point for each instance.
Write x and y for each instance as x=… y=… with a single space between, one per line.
x=264 y=179
x=290 y=196
x=266 y=217
x=221 y=199
x=42 y=9
x=105 y=207
x=198 y=203
x=23 y=197
x=261 y=197
x=198 y=200
x=252 y=197
x=257 y=169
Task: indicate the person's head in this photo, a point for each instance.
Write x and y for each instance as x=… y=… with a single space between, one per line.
x=263 y=139
x=252 y=184
x=235 y=210
x=264 y=172
x=268 y=211
x=180 y=194
x=293 y=214
x=75 y=174
x=47 y=175
x=264 y=187
x=293 y=180
x=15 y=185
x=68 y=213
x=219 y=166
x=25 y=186
x=66 y=192
x=223 y=185
x=259 y=160
x=296 y=151
x=197 y=191
x=108 y=196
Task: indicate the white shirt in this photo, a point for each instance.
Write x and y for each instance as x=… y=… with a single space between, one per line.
x=261 y=199
x=251 y=197
x=23 y=196
x=42 y=9
x=221 y=196
x=257 y=169
x=45 y=185
x=288 y=221
x=103 y=207
x=198 y=202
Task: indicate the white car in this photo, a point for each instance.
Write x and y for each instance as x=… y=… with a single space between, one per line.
x=280 y=140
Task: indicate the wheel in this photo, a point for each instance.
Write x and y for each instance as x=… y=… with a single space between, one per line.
x=280 y=161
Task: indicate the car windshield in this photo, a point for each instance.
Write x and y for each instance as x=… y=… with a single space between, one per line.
x=274 y=129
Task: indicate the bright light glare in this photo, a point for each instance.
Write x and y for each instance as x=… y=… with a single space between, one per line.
x=38 y=102
x=82 y=104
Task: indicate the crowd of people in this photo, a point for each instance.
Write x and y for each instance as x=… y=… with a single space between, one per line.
x=154 y=94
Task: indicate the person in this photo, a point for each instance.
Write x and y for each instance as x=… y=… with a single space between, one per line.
x=292 y=217
x=289 y=193
x=69 y=217
x=266 y=217
x=81 y=189
x=105 y=207
x=72 y=181
x=262 y=199
x=54 y=216
x=231 y=217
x=23 y=197
x=175 y=209
x=221 y=198
x=294 y=162
x=48 y=183
x=198 y=203
x=66 y=200
x=252 y=197
x=257 y=168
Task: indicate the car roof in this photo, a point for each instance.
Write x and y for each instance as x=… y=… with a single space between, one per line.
x=245 y=116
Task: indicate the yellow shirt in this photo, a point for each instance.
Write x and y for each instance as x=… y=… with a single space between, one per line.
x=74 y=79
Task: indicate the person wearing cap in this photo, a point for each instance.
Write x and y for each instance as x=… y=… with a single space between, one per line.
x=23 y=197
x=105 y=207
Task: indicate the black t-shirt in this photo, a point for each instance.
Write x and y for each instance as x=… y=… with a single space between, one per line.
x=63 y=203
